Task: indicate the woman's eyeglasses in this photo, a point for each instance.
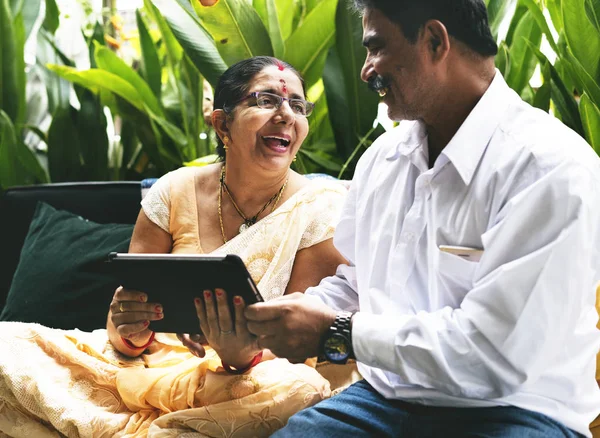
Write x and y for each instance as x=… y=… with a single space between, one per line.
x=271 y=101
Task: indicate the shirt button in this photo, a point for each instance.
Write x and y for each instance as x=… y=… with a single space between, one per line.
x=409 y=237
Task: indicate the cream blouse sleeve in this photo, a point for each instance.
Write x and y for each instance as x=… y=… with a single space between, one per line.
x=325 y=210
x=157 y=202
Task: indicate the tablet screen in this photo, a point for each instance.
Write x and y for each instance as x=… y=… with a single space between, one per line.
x=175 y=280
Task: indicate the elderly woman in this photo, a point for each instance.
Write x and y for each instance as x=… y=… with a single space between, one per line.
x=141 y=383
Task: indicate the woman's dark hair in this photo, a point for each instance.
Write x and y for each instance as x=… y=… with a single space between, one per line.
x=465 y=20
x=233 y=85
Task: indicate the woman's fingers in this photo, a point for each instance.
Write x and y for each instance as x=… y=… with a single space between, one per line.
x=130 y=329
x=224 y=313
x=212 y=319
x=201 y=312
x=193 y=343
x=122 y=294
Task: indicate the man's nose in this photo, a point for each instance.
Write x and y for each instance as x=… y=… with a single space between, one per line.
x=367 y=71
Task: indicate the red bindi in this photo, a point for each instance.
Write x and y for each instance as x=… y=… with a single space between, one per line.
x=280 y=66
x=284 y=88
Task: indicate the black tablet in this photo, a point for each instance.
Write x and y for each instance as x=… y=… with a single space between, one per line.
x=174 y=280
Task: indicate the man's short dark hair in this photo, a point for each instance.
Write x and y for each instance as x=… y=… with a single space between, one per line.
x=465 y=20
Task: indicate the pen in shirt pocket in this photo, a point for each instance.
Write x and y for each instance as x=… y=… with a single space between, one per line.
x=464 y=252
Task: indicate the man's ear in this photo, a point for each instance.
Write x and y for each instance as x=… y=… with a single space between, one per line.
x=219 y=123
x=437 y=40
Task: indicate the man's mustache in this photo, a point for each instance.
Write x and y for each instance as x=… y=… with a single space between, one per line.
x=378 y=83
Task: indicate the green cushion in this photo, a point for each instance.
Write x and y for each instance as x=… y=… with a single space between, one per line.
x=62 y=280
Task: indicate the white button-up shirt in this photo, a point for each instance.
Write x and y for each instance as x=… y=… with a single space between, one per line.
x=517 y=327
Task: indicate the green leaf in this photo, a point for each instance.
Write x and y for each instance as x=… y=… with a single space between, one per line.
x=538 y=15
x=514 y=22
x=554 y=9
x=96 y=38
x=10 y=96
x=150 y=63
x=57 y=89
x=64 y=159
x=236 y=28
x=91 y=126
x=19 y=62
x=543 y=95
x=503 y=59
x=581 y=35
x=322 y=159
x=521 y=56
x=108 y=60
x=96 y=79
x=174 y=49
x=285 y=15
x=563 y=99
x=30 y=15
x=195 y=40
x=274 y=29
x=18 y=165
x=592 y=10
x=586 y=83
x=307 y=47
x=52 y=20
x=353 y=107
x=497 y=11
x=590 y=117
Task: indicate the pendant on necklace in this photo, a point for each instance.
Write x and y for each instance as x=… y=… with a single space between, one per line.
x=243 y=227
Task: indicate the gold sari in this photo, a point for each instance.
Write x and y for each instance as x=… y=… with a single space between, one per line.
x=57 y=383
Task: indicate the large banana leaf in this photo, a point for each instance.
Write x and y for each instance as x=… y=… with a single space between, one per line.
x=10 y=98
x=236 y=28
x=150 y=63
x=193 y=38
x=96 y=79
x=306 y=49
x=107 y=60
x=590 y=117
x=581 y=35
x=353 y=107
x=275 y=30
x=521 y=56
x=285 y=11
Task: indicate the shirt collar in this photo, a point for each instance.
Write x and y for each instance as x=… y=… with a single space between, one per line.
x=468 y=145
x=411 y=134
x=470 y=141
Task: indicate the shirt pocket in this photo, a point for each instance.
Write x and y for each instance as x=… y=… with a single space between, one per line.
x=455 y=277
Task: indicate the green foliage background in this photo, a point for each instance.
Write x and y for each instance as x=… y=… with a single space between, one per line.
x=158 y=101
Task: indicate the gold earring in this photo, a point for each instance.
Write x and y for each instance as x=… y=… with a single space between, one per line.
x=295 y=158
x=225 y=139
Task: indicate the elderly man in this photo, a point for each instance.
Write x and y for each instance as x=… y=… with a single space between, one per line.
x=473 y=236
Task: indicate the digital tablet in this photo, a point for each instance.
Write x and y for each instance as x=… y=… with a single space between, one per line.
x=175 y=280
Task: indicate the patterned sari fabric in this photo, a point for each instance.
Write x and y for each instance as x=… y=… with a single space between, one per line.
x=56 y=383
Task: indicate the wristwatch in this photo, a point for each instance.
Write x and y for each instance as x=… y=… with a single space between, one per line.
x=336 y=346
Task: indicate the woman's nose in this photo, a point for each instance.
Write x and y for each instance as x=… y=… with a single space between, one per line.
x=285 y=112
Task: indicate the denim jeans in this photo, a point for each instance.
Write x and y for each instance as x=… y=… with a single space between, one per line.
x=360 y=411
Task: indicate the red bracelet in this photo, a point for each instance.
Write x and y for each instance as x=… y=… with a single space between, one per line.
x=255 y=360
x=135 y=347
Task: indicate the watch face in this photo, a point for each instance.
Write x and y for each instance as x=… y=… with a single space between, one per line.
x=337 y=348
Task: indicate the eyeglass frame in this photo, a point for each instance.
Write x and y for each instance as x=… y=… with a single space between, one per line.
x=280 y=100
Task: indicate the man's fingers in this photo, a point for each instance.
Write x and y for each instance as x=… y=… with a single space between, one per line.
x=264 y=328
x=264 y=311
